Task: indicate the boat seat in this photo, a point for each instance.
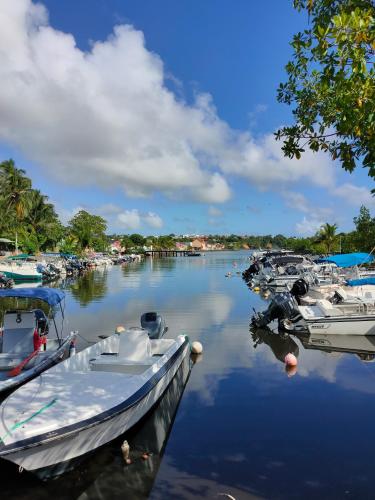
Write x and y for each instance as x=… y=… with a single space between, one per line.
x=119 y=364
x=134 y=344
x=328 y=309
x=18 y=334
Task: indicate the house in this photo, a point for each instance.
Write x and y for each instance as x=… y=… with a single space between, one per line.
x=115 y=247
x=182 y=246
x=198 y=244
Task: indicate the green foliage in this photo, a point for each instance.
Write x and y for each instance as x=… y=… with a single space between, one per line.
x=25 y=211
x=331 y=83
x=137 y=239
x=327 y=237
x=365 y=230
x=88 y=230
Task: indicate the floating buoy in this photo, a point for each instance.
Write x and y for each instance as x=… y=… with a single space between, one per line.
x=125 y=448
x=290 y=370
x=196 y=348
x=256 y=289
x=290 y=359
x=119 y=329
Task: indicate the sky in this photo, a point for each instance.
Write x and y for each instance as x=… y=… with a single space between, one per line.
x=159 y=116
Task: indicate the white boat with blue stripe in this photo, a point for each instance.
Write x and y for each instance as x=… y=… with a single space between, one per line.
x=88 y=399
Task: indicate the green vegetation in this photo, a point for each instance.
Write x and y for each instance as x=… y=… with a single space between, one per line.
x=26 y=214
x=28 y=217
x=331 y=83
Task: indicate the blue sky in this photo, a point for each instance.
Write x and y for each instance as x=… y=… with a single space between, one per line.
x=164 y=123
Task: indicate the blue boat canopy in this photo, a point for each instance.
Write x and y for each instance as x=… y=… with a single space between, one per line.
x=52 y=296
x=348 y=259
x=361 y=281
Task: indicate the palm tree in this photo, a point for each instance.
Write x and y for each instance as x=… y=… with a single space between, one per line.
x=42 y=220
x=14 y=187
x=327 y=236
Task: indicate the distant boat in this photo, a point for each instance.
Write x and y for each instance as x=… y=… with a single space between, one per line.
x=88 y=399
x=193 y=254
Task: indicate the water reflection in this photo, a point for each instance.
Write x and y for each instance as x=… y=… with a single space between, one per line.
x=360 y=345
x=103 y=474
x=90 y=286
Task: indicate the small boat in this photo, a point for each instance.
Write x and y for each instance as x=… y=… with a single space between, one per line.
x=150 y=436
x=193 y=254
x=27 y=345
x=88 y=399
x=19 y=270
x=342 y=315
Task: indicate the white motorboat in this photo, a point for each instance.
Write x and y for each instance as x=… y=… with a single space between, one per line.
x=20 y=270
x=342 y=315
x=352 y=317
x=88 y=399
x=28 y=344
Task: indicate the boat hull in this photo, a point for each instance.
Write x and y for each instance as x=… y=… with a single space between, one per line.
x=338 y=326
x=22 y=277
x=74 y=444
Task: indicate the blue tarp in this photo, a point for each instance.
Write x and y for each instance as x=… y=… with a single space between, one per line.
x=52 y=296
x=361 y=281
x=348 y=259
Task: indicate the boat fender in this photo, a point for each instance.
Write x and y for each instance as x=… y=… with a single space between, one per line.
x=196 y=348
x=125 y=448
x=72 y=348
x=290 y=359
x=37 y=340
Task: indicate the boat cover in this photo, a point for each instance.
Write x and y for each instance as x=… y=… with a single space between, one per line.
x=52 y=296
x=348 y=259
x=361 y=281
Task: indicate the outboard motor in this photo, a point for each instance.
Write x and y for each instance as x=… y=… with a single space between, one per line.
x=299 y=289
x=6 y=282
x=283 y=306
x=253 y=269
x=154 y=324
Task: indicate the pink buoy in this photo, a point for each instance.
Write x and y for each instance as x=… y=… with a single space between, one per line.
x=290 y=359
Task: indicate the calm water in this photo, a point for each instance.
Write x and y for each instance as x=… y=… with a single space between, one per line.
x=241 y=425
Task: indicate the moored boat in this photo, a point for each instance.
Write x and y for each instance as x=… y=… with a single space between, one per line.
x=88 y=399
x=28 y=346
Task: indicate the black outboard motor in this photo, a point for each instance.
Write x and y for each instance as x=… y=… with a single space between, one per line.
x=283 y=306
x=154 y=324
x=299 y=289
x=6 y=282
x=253 y=269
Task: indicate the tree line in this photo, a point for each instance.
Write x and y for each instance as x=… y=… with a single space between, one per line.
x=30 y=219
x=27 y=215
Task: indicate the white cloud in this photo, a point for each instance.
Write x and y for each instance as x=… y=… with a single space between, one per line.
x=105 y=117
x=214 y=212
x=354 y=195
x=153 y=220
x=133 y=219
x=308 y=227
x=130 y=219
